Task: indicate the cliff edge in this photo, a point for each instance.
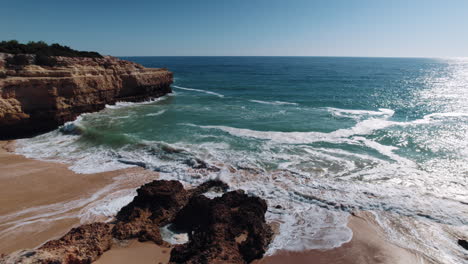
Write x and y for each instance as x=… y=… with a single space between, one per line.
x=35 y=99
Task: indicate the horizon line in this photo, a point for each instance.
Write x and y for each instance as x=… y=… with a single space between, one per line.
x=298 y=56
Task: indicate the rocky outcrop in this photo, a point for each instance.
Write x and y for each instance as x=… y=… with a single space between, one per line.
x=226 y=229
x=81 y=245
x=155 y=205
x=463 y=243
x=36 y=99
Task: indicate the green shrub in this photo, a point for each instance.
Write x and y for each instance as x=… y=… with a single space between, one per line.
x=11 y=46
x=40 y=47
x=45 y=60
x=18 y=60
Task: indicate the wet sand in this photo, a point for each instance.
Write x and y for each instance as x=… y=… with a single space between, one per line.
x=136 y=252
x=27 y=184
x=368 y=246
x=32 y=193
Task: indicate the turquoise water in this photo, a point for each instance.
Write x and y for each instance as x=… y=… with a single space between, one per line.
x=319 y=136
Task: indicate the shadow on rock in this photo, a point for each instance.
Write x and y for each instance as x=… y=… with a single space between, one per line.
x=226 y=229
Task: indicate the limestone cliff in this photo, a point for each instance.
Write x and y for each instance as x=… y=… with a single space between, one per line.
x=36 y=99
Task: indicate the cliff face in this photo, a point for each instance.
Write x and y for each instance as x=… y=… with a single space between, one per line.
x=36 y=99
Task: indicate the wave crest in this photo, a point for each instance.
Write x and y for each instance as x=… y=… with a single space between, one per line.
x=273 y=102
x=199 y=90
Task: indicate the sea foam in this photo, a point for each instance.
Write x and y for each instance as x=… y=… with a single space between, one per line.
x=199 y=90
x=273 y=102
x=308 y=215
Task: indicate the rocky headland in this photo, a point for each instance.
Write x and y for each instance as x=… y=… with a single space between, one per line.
x=230 y=228
x=38 y=98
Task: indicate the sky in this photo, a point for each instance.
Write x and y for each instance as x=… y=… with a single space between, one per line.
x=367 y=28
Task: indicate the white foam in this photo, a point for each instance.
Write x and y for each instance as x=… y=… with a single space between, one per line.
x=448 y=114
x=272 y=102
x=303 y=225
x=366 y=182
x=119 y=105
x=387 y=151
x=47 y=213
x=386 y=113
x=172 y=237
x=279 y=137
x=338 y=112
x=108 y=206
x=319 y=229
x=199 y=90
x=157 y=113
x=361 y=128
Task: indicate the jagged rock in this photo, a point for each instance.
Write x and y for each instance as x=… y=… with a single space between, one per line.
x=463 y=243
x=161 y=199
x=156 y=204
x=140 y=227
x=227 y=229
x=81 y=245
x=36 y=99
x=215 y=185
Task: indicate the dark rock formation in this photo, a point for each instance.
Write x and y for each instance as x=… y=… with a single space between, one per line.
x=214 y=185
x=463 y=243
x=155 y=205
x=81 y=245
x=226 y=229
x=36 y=99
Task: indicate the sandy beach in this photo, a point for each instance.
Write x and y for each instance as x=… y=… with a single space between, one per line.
x=40 y=200
x=136 y=252
x=368 y=246
x=29 y=187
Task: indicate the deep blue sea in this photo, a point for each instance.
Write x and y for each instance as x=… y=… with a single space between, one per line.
x=319 y=136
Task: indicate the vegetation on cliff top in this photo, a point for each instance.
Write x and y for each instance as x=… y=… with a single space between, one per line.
x=43 y=52
x=43 y=49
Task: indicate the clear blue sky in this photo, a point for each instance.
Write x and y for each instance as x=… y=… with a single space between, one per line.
x=390 y=28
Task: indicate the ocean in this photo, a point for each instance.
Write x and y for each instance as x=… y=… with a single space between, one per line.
x=317 y=137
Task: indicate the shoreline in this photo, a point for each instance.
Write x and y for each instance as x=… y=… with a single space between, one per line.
x=368 y=246
x=136 y=252
x=33 y=194
x=28 y=184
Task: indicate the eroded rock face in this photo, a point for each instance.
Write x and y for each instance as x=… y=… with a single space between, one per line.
x=36 y=99
x=81 y=245
x=155 y=205
x=226 y=229
x=463 y=243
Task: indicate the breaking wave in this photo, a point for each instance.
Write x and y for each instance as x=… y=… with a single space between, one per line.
x=199 y=90
x=294 y=196
x=273 y=102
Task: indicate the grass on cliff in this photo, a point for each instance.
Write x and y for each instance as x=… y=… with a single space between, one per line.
x=43 y=49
